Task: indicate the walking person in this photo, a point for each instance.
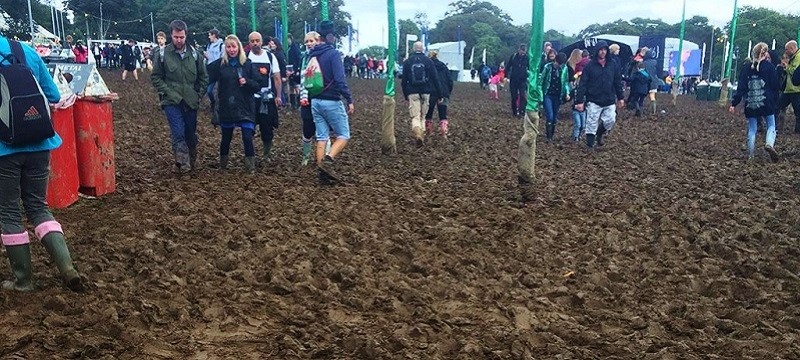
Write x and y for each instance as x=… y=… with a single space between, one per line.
x=312 y=39
x=600 y=87
x=651 y=66
x=326 y=102
x=757 y=88
x=267 y=99
x=517 y=72
x=129 y=60
x=237 y=82
x=214 y=51
x=98 y=55
x=554 y=82
x=295 y=63
x=440 y=97
x=179 y=76
x=24 y=171
x=275 y=47
x=791 y=92
x=575 y=70
x=419 y=80
x=640 y=86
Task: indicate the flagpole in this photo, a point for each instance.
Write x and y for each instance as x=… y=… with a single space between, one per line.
x=285 y=22
x=526 y=163
x=388 y=139
x=676 y=82
x=723 y=97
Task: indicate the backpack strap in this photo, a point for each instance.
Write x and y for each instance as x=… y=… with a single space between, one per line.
x=17 y=55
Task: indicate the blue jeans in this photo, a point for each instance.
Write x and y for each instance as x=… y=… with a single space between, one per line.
x=751 y=133
x=578 y=123
x=330 y=114
x=23 y=176
x=210 y=91
x=551 y=105
x=247 y=141
x=183 y=132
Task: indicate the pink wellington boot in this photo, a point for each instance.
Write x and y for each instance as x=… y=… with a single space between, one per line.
x=429 y=127
x=443 y=128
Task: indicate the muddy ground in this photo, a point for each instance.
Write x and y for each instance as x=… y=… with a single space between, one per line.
x=665 y=245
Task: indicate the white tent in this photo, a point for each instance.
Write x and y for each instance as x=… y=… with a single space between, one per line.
x=449 y=54
x=41 y=32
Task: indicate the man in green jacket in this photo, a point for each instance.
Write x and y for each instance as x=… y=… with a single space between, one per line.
x=791 y=93
x=179 y=76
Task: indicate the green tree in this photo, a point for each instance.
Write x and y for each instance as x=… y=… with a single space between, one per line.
x=17 y=18
x=475 y=6
x=376 y=51
x=488 y=39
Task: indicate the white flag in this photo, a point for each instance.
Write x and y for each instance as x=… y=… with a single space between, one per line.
x=484 y=56
x=471 y=56
x=411 y=37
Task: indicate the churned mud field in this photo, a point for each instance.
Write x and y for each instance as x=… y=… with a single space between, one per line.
x=666 y=244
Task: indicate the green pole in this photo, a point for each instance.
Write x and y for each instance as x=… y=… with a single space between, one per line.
x=388 y=139
x=392 y=50
x=797 y=38
x=285 y=22
x=680 y=44
x=324 y=5
x=733 y=38
x=526 y=162
x=233 y=16
x=534 y=60
x=253 y=15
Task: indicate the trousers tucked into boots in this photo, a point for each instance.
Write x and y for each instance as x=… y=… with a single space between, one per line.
x=18 y=250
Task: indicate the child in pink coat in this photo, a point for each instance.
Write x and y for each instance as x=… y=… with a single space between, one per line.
x=493 y=81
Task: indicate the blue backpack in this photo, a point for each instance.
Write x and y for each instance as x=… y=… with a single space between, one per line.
x=24 y=110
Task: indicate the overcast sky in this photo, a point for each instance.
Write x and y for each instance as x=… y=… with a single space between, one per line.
x=370 y=15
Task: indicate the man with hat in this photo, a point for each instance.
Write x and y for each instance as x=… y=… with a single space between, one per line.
x=327 y=107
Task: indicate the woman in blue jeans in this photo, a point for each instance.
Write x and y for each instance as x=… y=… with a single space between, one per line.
x=24 y=170
x=578 y=117
x=554 y=82
x=237 y=84
x=758 y=84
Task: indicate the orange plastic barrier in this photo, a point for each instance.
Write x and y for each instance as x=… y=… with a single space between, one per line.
x=94 y=133
x=62 y=187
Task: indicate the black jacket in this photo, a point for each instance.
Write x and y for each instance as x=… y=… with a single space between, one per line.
x=235 y=102
x=445 y=80
x=600 y=84
x=517 y=67
x=758 y=89
x=651 y=66
x=281 y=57
x=432 y=86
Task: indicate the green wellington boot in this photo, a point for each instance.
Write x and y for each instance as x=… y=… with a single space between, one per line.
x=19 y=256
x=307 y=147
x=56 y=246
x=267 y=150
x=250 y=164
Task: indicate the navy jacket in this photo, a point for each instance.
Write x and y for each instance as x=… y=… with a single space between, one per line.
x=600 y=84
x=640 y=82
x=433 y=85
x=236 y=102
x=651 y=66
x=758 y=89
x=445 y=80
x=330 y=62
x=517 y=67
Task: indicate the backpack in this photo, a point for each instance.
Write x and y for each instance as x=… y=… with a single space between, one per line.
x=313 y=81
x=419 y=74
x=24 y=109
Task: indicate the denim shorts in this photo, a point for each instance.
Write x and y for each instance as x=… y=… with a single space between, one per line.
x=330 y=114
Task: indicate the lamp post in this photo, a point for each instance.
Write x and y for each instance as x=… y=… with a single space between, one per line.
x=711 y=53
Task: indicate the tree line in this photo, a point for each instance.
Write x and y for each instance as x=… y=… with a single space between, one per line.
x=480 y=24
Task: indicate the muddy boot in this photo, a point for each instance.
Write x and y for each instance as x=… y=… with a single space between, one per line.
x=19 y=257
x=773 y=155
x=223 y=162
x=590 y=141
x=601 y=130
x=429 y=127
x=250 y=164
x=443 y=128
x=307 y=147
x=267 y=150
x=419 y=137
x=193 y=158
x=56 y=246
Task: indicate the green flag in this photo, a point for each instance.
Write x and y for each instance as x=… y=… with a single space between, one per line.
x=733 y=38
x=680 y=43
x=392 y=50
x=233 y=17
x=534 y=60
x=324 y=5
x=285 y=23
